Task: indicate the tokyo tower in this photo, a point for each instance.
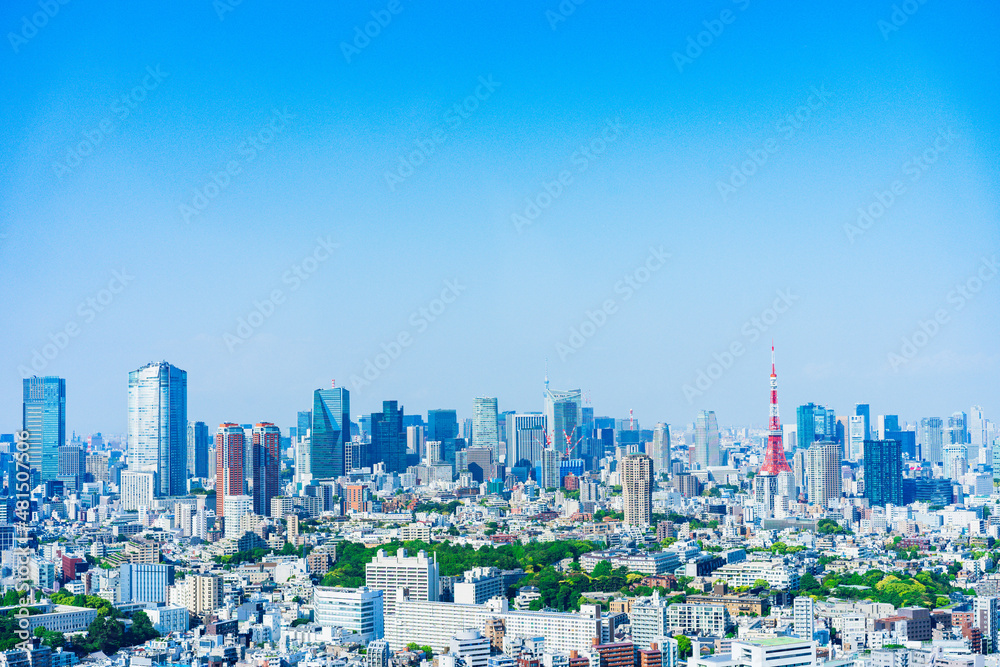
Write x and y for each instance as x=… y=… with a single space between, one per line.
x=774 y=458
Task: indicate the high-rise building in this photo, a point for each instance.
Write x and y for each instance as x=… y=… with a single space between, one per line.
x=823 y=480
x=417 y=573
x=97 y=467
x=660 y=449
x=930 y=438
x=863 y=410
x=197 y=449
x=956 y=461
x=480 y=462
x=229 y=471
x=564 y=421
x=157 y=425
x=388 y=444
x=44 y=418
x=442 y=426
x=883 y=472
x=958 y=428
x=415 y=441
x=137 y=490
x=814 y=423
x=526 y=438
x=235 y=508
x=978 y=427
x=856 y=438
x=266 y=466
x=72 y=464
x=548 y=469
x=331 y=429
x=707 y=453
x=485 y=430
x=804 y=618
x=637 y=489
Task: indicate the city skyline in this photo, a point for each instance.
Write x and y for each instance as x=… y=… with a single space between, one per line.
x=710 y=202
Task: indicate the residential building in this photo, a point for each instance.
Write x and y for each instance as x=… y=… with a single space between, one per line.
x=266 y=466
x=418 y=574
x=143 y=582
x=823 y=477
x=775 y=652
x=804 y=617
x=478 y=585
x=137 y=490
x=637 y=489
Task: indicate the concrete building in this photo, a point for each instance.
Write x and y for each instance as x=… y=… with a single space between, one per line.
x=697 y=619
x=776 y=652
x=479 y=585
x=169 y=618
x=357 y=610
x=745 y=573
x=804 y=617
x=137 y=489
x=143 y=582
x=823 y=476
x=471 y=646
x=418 y=574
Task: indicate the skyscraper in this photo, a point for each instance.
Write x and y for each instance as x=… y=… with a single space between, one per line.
x=568 y=416
x=442 y=426
x=863 y=410
x=44 y=418
x=804 y=618
x=883 y=472
x=956 y=461
x=930 y=437
x=388 y=438
x=229 y=480
x=331 y=429
x=637 y=489
x=197 y=449
x=706 y=440
x=978 y=427
x=485 y=432
x=958 y=429
x=823 y=480
x=266 y=466
x=157 y=425
x=526 y=438
x=856 y=438
x=661 y=449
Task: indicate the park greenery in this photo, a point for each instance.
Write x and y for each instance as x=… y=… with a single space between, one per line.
x=455 y=559
x=925 y=589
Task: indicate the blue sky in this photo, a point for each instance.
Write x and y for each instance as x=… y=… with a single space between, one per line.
x=309 y=137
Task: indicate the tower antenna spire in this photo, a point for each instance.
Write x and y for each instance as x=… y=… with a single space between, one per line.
x=774 y=457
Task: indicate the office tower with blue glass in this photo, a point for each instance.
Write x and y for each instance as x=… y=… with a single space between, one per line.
x=197 y=450
x=157 y=426
x=485 y=432
x=883 y=472
x=331 y=430
x=44 y=418
x=388 y=444
x=442 y=426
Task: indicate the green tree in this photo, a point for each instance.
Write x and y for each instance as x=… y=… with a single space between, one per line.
x=602 y=569
x=683 y=646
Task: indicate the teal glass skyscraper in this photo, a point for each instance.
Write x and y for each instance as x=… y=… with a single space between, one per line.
x=388 y=438
x=331 y=429
x=44 y=418
x=883 y=472
x=158 y=426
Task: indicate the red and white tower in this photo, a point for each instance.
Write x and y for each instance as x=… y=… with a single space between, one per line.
x=774 y=458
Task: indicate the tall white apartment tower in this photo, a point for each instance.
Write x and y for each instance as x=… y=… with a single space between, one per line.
x=804 y=617
x=418 y=574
